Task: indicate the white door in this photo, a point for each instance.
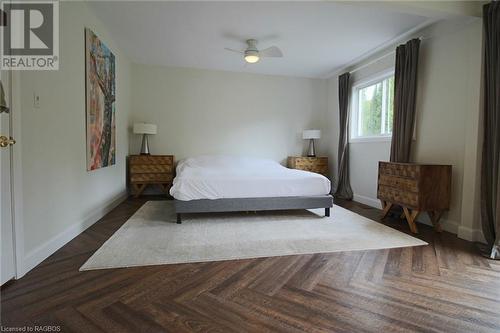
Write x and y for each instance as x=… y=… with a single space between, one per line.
x=7 y=255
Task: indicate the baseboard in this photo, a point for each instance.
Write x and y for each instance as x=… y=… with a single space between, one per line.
x=473 y=235
x=446 y=225
x=375 y=203
x=42 y=252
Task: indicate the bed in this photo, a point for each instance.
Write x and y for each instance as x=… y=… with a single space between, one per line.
x=208 y=184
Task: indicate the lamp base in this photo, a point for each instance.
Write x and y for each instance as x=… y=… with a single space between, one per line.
x=311 y=151
x=145 y=145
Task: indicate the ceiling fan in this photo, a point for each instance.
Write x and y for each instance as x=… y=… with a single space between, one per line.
x=252 y=54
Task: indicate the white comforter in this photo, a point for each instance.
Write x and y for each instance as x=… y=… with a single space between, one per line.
x=217 y=177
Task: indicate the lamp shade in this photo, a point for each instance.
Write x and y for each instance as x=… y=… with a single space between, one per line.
x=311 y=134
x=143 y=128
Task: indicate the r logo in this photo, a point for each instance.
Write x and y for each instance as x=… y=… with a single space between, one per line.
x=30 y=30
x=30 y=33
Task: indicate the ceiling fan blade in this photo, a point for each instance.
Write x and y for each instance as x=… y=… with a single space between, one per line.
x=272 y=51
x=232 y=50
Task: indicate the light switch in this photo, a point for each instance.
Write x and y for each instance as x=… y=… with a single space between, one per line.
x=36 y=100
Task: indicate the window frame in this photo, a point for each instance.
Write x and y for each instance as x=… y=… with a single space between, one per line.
x=354 y=107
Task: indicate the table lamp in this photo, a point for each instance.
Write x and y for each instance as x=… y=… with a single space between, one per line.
x=311 y=135
x=145 y=130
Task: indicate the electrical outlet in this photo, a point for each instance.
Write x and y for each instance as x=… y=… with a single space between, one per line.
x=36 y=100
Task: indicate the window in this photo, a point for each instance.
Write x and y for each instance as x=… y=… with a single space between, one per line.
x=372 y=109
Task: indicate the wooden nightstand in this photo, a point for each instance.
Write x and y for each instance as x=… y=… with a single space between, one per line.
x=313 y=164
x=146 y=170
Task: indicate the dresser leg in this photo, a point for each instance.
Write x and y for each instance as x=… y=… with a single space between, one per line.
x=386 y=206
x=327 y=212
x=179 y=219
x=410 y=217
x=164 y=188
x=435 y=217
x=138 y=188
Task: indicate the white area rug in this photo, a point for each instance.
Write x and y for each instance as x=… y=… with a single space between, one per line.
x=151 y=236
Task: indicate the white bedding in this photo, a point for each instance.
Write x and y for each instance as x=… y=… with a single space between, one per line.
x=217 y=177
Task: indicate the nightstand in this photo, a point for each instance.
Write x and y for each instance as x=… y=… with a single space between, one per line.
x=147 y=170
x=313 y=164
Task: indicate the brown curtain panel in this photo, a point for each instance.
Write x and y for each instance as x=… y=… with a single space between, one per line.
x=344 y=190
x=490 y=175
x=405 y=92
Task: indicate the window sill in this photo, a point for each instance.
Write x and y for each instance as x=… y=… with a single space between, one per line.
x=371 y=139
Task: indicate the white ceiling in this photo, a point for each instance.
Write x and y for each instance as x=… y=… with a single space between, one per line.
x=315 y=37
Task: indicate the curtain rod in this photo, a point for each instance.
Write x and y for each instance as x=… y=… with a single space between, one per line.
x=379 y=58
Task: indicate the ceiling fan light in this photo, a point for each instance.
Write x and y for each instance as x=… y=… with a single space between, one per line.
x=251 y=56
x=252 y=59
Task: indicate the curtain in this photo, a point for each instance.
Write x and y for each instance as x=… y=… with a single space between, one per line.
x=344 y=190
x=490 y=175
x=405 y=90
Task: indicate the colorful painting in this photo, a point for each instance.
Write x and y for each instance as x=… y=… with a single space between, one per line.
x=100 y=108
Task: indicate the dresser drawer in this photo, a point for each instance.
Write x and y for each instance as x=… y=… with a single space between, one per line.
x=139 y=159
x=400 y=183
x=151 y=168
x=311 y=162
x=395 y=195
x=316 y=169
x=150 y=177
x=400 y=170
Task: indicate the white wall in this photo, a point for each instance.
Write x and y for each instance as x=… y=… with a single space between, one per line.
x=448 y=94
x=60 y=198
x=216 y=112
x=447 y=119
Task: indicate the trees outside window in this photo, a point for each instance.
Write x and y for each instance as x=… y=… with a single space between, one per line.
x=373 y=109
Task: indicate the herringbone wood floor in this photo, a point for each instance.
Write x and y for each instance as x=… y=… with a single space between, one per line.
x=445 y=286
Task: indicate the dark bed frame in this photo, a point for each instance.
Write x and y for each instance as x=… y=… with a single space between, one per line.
x=252 y=204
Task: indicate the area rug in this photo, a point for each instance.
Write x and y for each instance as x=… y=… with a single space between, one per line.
x=151 y=236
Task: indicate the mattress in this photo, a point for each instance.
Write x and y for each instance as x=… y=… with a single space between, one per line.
x=219 y=177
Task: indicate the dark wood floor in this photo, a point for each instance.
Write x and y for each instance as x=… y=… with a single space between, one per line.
x=445 y=286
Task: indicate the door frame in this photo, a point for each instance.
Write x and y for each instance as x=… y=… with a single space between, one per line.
x=17 y=176
x=14 y=100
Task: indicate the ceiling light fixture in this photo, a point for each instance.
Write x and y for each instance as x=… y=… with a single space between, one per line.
x=252 y=56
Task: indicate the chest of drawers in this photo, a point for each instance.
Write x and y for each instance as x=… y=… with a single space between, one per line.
x=416 y=188
x=147 y=170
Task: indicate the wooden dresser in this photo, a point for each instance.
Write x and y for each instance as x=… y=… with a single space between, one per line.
x=416 y=188
x=313 y=164
x=147 y=170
